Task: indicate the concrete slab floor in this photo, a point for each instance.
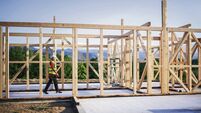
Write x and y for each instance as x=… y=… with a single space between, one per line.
x=35 y=94
x=145 y=104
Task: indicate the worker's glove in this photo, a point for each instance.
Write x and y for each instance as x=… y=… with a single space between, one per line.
x=57 y=75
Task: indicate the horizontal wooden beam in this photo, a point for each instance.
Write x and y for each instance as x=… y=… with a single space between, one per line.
x=172 y=29
x=58 y=45
x=72 y=25
x=61 y=35
x=123 y=37
x=22 y=62
x=93 y=26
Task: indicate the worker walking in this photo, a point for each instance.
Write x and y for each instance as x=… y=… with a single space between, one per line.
x=53 y=75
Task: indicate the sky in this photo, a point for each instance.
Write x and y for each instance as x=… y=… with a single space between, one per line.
x=134 y=12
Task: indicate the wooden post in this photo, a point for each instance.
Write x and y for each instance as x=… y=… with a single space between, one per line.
x=122 y=56
x=7 y=62
x=1 y=64
x=62 y=61
x=199 y=63
x=75 y=63
x=101 y=62
x=87 y=62
x=149 y=63
x=189 y=60
x=165 y=51
x=40 y=62
x=134 y=62
x=27 y=61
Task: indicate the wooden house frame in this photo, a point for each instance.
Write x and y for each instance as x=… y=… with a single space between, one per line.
x=174 y=60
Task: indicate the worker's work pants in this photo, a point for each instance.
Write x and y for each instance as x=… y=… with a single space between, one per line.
x=54 y=79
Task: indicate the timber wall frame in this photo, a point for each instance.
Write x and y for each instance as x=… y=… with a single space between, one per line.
x=174 y=60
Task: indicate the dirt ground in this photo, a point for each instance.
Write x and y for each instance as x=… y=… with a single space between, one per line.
x=53 y=107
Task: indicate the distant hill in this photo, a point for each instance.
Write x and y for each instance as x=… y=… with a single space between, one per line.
x=94 y=52
x=81 y=53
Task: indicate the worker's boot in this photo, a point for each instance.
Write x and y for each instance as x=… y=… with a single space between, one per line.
x=44 y=91
x=58 y=92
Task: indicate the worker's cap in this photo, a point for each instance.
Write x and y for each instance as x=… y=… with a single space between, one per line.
x=53 y=56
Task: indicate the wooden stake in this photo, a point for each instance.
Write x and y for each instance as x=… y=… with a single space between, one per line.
x=40 y=64
x=7 y=62
x=27 y=61
x=101 y=62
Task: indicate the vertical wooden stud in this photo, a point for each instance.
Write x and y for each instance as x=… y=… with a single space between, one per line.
x=122 y=56
x=101 y=62
x=47 y=64
x=1 y=64
x=127 y=57
x=138 y=60
x=87 y=62
x=189 y=60
x=4 y=62
x=40 y=62
x=172 y=52
x=165 y=51
x=130 y=62
x=27 y=61
x=181 y=67
x=62 y=64
x=134 y=62
x=7 y=62
x=75 y=63
x=149 y=63
x=199 y=63
x=108 y=62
